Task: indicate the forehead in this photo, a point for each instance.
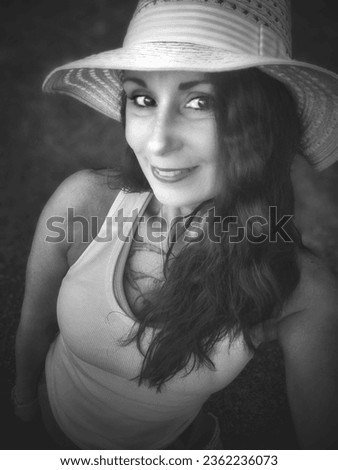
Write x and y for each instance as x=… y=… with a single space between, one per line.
x=172 y=77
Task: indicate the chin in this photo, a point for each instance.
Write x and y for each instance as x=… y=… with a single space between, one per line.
x=179 y=199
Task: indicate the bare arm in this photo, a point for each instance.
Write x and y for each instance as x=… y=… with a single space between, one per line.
x=47 y=265
x=309 y=339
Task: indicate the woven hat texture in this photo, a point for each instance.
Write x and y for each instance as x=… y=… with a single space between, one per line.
x=211 y=36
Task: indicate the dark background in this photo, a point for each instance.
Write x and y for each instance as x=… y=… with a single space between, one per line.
x=45 y=138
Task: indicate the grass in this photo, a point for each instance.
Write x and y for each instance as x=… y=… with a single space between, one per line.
x=46 y=138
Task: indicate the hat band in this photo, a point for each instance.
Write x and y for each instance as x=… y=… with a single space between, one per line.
x=207 y=25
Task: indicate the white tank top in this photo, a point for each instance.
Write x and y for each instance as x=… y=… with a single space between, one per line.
x=90 y=373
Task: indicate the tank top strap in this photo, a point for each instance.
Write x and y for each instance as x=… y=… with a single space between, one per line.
x=129 y=202
x=118 y=221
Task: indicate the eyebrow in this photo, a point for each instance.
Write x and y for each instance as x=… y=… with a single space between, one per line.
x=186 y=85
x=183 y=86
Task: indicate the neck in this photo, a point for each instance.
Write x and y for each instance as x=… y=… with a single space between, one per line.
x=167 y=212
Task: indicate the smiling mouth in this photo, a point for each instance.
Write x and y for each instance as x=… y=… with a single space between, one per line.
x=171 y=175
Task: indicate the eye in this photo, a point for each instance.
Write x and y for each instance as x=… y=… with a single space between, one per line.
x=201 y=103
x=142 y=101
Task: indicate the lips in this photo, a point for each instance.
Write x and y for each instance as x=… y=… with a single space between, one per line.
x=171 y=175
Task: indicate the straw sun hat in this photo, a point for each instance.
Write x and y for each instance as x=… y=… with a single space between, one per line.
x=210 y=36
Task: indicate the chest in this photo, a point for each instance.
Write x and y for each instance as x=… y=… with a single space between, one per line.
x=143 y=273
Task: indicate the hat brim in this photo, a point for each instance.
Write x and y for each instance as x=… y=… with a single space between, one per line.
x=95 y=80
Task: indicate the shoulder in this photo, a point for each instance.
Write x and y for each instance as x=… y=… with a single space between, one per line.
x=84 y=197
x=311 y=313
x=317 y=287
x=84 y=189
x=85 y=194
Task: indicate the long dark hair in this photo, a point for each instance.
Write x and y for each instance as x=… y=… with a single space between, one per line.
x=213 y=290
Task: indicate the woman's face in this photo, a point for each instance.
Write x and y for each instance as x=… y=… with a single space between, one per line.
x=171 y=127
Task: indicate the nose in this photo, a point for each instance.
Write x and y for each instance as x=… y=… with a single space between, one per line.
x=164 y=135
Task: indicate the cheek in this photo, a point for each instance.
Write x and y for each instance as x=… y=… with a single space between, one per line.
x=135 y=133
x=211 y=149
x=207 y=141
x=130 y=134
x=131 y=130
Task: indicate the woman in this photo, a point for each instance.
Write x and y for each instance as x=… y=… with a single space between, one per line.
x=188 y=269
